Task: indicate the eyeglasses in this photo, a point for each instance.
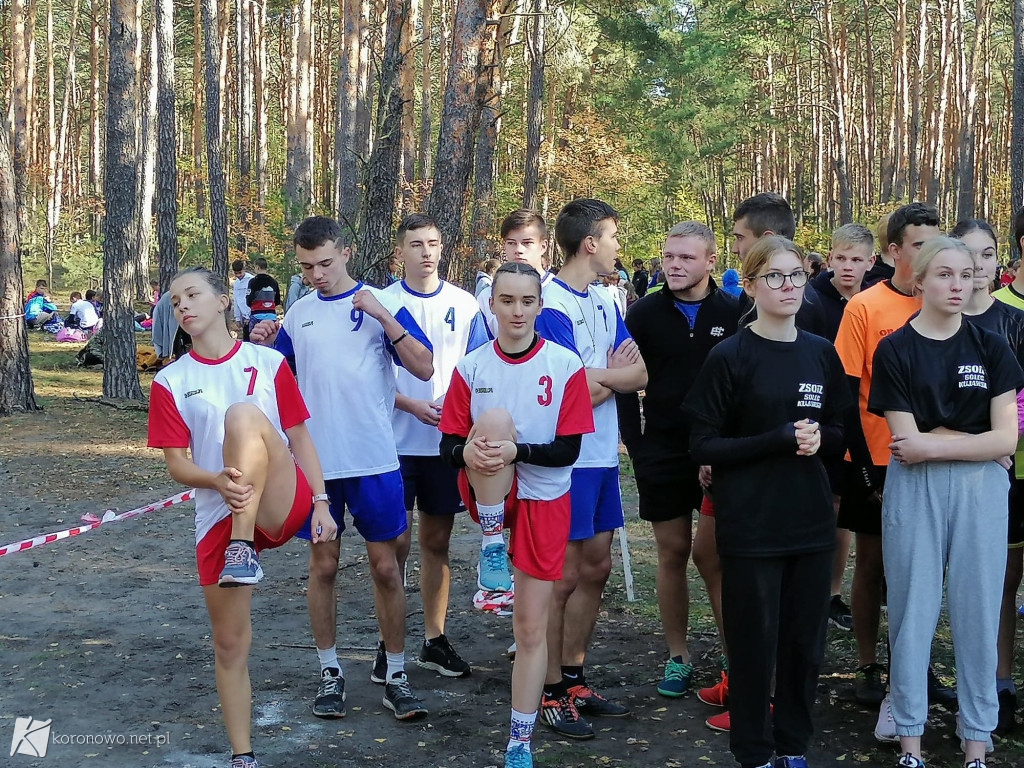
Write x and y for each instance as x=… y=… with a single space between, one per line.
x=776 y=280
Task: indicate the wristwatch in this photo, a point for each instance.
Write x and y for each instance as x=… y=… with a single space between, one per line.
x=321 y=497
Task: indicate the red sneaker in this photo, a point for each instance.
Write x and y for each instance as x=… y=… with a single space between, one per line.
x=719 y=722
x=717 y=695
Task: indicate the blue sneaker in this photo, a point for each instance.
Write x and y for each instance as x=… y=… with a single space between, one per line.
x=492 y=571
x=676 y=679
x=241 y=566
x=518 y=757
x=789 y=761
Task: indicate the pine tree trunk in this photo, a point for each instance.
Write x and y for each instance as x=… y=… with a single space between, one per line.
x=146 y=172
x=915 y=138
x=166 y=156
x=1017 y=124
x=16 y=391
x=299 y=181
x=345 y=150
x=383 y=168
x=262 y=157
x=407 y=86
x=244 y=10
x=19 y=98
x=214 y=153
x=473 y=41
x=534 y=107
x=119 y=375
x=199 y=184
x=423 y=166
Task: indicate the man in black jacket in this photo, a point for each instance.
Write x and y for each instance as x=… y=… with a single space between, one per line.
x=675 y=328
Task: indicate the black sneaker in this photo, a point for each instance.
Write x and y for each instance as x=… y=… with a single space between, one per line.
x=562 y=717
x=439 y=655
x=839 y=615
x=399 y=698
x=868 y=688
x=379 y=673
x=1007 y=712
x=330 y=696
x=590 y=702
x=940 y=693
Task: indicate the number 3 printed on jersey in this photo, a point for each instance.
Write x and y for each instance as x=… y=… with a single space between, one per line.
x=545 y=397
x=253 y=372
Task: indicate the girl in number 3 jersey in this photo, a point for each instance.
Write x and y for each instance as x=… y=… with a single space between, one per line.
x=235 y=407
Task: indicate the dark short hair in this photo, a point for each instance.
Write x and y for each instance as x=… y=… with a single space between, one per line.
x=912 y=214
x=75 y=294
x=261 y=263
x=638 y=262
x=237 y=265
x=966 y=226
x=515 y=268
x=1018 y=228
x=767 y=212
x=314 y=231
x=521 y=218
x=415 y=221
x=579 y=219
x=41 y=284
x=90 y=295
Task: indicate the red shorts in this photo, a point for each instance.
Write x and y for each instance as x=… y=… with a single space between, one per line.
x=538 y=530
x=707 y=506
x=210 y=549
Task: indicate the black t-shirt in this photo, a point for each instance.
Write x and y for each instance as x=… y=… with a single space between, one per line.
x=768 y=500
x=948 y=383
x=257 y=284
x=879 y=271
x=1005 y=321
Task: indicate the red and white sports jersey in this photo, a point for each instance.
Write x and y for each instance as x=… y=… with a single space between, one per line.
x=343 y=361
x=451 y=320
x=188 y=400
x=484 y=301
x=546 y=394
x=589 y=324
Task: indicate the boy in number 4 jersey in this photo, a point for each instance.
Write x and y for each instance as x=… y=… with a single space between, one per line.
x=453 y=323
x=343 y=340
x=583 y=318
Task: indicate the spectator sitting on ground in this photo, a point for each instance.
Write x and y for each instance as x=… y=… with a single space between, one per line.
x=40 y=290
x=82 y=314
x=96 y=299
x=155 y=286
x=39 y=310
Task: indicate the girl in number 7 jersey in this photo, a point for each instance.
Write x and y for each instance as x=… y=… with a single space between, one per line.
x=512 y=423
x=235 y=407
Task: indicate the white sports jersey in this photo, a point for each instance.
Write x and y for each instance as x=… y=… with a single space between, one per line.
x=484 y=300
x=188 y=400
x=588 y=324
x=343 y=363
x=546 y=394
x=453 y=323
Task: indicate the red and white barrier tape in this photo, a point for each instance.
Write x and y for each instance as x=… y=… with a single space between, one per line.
x=108 y=517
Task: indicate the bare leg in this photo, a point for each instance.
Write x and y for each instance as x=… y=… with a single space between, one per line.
x=842 y=554
x=388 y=589
x=674 y=540
x=563 y=588
x=435 y=532
x=582 y=607
x=321 y=596
x=705 y=557
x=866 y=596
x=232 y=636
x=529 y=625
x=493 y=424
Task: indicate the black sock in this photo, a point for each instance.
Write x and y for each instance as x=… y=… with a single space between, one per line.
x=677 y=659
x=557 y=690
x=573 y=675
x=250 y=544
x=245 y=754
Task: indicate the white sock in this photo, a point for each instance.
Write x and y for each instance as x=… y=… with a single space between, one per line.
x=396 y=663
x=329 y=658
x=491 y=538
x=491 y=517
x=521 y=729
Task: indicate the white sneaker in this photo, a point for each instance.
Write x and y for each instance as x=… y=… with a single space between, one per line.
x=909 y=761
x=885 y=728
x=989 y=748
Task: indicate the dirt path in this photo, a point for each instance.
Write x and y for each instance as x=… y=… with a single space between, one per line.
x=106 y=635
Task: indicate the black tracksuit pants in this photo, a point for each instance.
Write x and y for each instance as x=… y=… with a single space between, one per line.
x=775 y=612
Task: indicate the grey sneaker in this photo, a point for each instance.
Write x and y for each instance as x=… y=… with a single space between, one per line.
x=241 y=566
x=399 y=698
x=330 y=695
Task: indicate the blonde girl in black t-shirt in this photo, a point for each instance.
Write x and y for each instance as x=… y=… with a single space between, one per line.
x=947 y=389
x=767 y=405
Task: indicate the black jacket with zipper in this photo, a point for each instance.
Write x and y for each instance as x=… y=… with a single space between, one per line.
x=673 y=353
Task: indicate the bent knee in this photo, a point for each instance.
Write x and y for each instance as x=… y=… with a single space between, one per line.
x=495 y=424
x=243 y=416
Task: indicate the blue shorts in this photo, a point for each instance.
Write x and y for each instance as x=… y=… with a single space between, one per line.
x=374 y=501
x=431 y=485
x=596 y=503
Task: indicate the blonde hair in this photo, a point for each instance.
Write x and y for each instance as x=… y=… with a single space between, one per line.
x=694 y=229
x=851 y=235
x=882 y=233
x=932 y=248
x=757 y=258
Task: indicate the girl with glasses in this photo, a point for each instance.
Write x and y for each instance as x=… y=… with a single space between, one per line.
x=767 y=406
x=947 y=390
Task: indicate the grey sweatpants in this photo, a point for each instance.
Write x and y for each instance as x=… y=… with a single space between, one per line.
x=944 y=517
